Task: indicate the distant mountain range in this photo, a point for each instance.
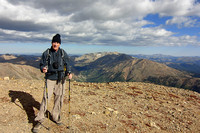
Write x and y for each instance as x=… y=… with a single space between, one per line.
x=110 y=67
x=188 y=64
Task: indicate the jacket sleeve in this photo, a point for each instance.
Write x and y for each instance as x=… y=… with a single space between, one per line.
x=67 y=62
x=43 y=61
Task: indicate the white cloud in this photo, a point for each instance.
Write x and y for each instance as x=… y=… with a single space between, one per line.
x=182 y=22
x=173 y=7
x=103 y=22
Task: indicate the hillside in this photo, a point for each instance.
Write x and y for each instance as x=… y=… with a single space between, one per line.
x=102 y=107
x=121 y=67
x=20 y=67
x=125 y=68
x=16 y=71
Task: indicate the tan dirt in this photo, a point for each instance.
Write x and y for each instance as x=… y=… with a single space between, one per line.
x=118 y=107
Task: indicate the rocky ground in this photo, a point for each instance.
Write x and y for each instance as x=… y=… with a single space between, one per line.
x=102 y=108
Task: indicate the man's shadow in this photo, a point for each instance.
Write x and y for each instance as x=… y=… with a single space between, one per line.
x=28 y=103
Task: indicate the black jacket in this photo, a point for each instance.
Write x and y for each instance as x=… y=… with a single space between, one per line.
x=55 y=61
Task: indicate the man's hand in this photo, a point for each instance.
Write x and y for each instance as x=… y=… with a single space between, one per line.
x=44 y=69
x=70 y=76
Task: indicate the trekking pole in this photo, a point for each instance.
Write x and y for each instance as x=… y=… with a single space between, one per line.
x=69 y=106
x=47 y=98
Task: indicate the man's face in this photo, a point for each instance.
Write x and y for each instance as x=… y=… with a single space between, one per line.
x=55 y=46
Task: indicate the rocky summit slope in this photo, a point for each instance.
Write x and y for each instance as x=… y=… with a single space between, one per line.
x=102 y=108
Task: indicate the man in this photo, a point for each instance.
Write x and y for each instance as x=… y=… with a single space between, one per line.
x=53 y=64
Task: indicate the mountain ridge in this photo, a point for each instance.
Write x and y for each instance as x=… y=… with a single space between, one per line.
x=122 y=67
x=117 y=61
x=110 y=67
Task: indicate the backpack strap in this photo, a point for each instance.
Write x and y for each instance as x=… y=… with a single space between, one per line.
x=48 y=56
x=62 y=54
x=63 y=59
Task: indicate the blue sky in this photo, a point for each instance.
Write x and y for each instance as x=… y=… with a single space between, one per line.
x=169 y=27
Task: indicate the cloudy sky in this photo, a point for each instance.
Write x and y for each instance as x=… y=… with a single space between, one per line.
x=168 y=27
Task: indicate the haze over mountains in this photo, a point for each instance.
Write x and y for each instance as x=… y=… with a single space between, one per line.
x=189 y=64
x=111 y=67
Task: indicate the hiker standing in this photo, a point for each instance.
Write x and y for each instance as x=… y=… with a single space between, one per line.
x=52 y=64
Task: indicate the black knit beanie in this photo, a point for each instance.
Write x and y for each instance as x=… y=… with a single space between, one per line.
x=56 y=38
